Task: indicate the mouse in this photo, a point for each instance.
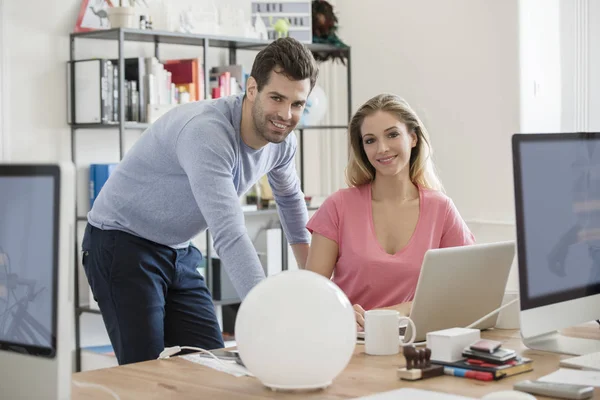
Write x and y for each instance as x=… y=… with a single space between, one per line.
x=508 y=395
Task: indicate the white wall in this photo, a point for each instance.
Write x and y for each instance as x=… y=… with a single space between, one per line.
x=540 y=66
x=36 y=45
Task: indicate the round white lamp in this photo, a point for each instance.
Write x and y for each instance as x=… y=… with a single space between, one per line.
x=296 y=331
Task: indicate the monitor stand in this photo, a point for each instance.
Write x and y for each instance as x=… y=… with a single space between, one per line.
x=557 y=343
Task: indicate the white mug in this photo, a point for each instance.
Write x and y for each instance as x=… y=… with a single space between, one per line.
x=382 y=336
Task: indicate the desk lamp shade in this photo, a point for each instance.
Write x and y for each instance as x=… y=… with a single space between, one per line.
x=296 y=330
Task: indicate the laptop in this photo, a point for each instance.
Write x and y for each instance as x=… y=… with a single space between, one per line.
x=459 y=285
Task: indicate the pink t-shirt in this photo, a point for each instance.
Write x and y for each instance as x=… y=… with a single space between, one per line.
x=364 y=270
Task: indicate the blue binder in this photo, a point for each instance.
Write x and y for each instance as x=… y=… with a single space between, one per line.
x=99 y=174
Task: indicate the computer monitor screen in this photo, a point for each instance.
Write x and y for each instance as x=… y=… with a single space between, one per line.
x=29 y=218
x=558 y=207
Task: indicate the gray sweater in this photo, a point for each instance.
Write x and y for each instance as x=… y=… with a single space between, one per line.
x=186 y=174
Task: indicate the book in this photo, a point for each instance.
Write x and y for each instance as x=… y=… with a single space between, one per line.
x=518 y=366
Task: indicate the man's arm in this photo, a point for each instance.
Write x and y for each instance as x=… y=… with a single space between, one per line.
x=207 y=157
x=291 y=205
x=301 y=253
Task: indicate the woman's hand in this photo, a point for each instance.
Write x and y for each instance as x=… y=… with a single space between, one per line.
x=359 y=314
x=404 y=308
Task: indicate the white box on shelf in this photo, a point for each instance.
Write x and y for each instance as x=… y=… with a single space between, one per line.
x=447 y=345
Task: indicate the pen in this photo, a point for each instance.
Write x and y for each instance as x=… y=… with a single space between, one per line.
x=466 y=373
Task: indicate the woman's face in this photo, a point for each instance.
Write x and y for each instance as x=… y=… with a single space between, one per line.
x=387 y=143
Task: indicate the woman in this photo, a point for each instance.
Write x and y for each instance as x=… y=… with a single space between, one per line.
x=372 y=236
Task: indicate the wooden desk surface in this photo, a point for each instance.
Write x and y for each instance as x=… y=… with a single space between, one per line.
x=364 y=375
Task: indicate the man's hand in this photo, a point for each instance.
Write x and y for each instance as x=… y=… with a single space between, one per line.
x=359 y=314
x=301 y=253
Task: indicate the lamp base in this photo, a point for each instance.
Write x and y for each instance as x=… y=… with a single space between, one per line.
x=291 y=388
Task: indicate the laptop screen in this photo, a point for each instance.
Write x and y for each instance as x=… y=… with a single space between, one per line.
x=28 y=259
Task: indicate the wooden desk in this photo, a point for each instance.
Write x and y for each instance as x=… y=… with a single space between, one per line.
x=180 y=379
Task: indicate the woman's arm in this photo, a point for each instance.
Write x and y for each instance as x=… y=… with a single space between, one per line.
x=456 y=232
x=322 y=255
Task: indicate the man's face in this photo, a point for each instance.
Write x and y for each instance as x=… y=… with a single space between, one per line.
x=278 y=107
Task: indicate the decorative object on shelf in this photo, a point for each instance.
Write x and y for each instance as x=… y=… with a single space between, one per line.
x=145 y=22
x=316 y=107
x=296 y=16
x=201 y=18
x=93 y=15
x=122 y=17
x=324 y=30
x=187 y=22
x=260 y=29
x=296 y=331
x=281 y=27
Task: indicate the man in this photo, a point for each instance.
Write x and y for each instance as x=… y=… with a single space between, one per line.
x=184 y=175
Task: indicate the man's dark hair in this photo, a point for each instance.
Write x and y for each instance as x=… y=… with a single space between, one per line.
x=293 y=59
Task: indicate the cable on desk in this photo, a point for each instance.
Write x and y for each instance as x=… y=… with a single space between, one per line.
x=171 y=351
x=96 y=386
x=492 y=313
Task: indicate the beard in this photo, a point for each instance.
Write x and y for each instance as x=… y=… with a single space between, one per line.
x=264 y=127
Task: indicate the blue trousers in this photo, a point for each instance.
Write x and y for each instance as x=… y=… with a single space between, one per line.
x=151 y=296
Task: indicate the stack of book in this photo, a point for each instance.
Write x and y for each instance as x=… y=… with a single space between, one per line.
x=497 y=364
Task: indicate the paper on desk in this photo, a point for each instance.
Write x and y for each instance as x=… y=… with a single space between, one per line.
x=230 y=367
x=413 y=394
x=573 y=376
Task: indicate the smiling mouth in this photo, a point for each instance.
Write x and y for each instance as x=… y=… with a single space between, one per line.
x=279 y=126
x=386 y=160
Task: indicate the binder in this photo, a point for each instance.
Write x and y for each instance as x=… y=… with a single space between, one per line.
x=99 y=174
x=93 y=100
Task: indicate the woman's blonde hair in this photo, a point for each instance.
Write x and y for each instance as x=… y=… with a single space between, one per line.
x=360 y=170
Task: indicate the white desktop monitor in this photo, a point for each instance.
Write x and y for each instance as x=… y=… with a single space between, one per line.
x=557 y=202
x=37 y=212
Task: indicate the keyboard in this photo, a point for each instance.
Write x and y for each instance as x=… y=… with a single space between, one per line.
x=589 y=361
